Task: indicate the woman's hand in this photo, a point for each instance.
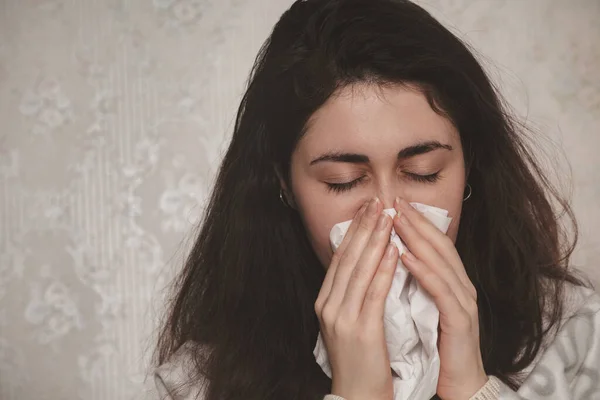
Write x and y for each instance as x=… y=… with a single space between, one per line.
x=351 y=303
x=435 y=263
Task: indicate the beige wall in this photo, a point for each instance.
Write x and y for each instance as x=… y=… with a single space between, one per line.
x=113 y=114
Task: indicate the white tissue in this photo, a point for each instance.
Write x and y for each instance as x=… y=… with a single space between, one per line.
x=410 y=321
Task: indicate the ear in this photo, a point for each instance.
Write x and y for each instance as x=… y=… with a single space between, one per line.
x=287 y=193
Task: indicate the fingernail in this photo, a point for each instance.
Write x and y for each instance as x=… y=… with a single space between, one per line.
x=397 y=203
x=402 y=218
x=383 y=221
x=389 y=251
x=372 y=209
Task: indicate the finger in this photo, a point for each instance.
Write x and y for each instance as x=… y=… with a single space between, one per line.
x=351 y=255
x=353 y=227
x=373 y=306
x=454 y=316
x=424 y=252
x=329 y=276
x=440 y=242
x=365 y=269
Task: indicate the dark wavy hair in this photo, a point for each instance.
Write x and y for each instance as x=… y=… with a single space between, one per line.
x=246 y=294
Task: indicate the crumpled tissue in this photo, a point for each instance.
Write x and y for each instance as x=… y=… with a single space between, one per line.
x=410 y=321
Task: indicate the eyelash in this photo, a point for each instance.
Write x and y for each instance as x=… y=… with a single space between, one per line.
x=431 y=178
x=343 y=187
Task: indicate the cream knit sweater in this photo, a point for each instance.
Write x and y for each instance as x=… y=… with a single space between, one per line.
x=490 y=391
x=567 y=368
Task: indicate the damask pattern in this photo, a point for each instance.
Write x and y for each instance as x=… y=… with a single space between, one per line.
x=114 y=115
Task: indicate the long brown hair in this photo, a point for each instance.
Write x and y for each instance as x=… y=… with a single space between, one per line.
x=247 y=290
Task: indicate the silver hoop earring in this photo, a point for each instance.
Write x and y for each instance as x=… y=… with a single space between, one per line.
x=470 y=192
x=285 y=203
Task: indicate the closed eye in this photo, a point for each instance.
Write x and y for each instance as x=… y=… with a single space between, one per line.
x=343 y=187
x=431 y=178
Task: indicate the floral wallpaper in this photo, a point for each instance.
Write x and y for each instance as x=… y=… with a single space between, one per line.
x=113 y=117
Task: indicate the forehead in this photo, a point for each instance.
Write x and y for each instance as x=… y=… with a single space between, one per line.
x=375 y=118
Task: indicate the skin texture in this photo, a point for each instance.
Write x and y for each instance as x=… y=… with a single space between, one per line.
x=379 y=124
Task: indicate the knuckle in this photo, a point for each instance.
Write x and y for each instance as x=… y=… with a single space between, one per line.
x=342 y=327
x=364 y=224
x=462 y=321
x=471 y=308
x=318 y=306
x=473 y=292
x=328 y=315
x=358 y=276
x=374 y=295
x=371 y=245
x=445 y=289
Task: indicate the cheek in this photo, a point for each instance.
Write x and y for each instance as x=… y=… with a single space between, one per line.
x=453 y=203
x=448 y=196
x=452 y=200
x=320 y=211
x=453 y=228
x=318 y=222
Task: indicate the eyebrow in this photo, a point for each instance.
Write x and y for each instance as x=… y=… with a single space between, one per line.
x=407 y=152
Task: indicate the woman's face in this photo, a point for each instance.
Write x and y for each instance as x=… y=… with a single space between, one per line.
x=369 y=141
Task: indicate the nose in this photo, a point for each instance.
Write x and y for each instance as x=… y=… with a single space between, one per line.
x=387 y=194
x=388 y=201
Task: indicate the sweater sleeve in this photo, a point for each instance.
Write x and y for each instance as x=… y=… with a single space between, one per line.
x=488 y=392
x=570 y=366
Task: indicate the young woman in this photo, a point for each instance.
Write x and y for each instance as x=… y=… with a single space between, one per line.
x=354 y=106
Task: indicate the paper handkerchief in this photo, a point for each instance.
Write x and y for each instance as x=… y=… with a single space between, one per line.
x=410 y=321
